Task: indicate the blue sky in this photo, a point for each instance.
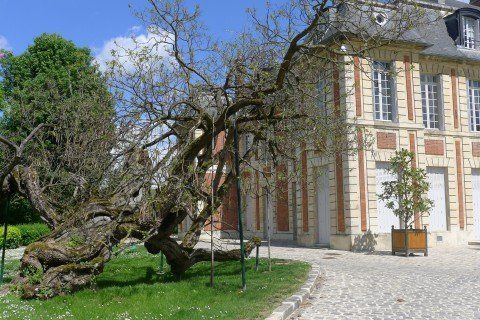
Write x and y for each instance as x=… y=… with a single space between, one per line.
x=92 y=23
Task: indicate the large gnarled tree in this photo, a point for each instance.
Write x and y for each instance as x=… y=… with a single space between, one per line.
x=171 y=108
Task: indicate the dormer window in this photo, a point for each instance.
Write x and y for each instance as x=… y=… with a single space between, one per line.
x=463 y=27
x=470 y=32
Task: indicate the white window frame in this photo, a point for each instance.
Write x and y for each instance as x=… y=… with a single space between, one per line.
x=470 y=32
x=431 y=101
x=473 y=87
x=383 y=91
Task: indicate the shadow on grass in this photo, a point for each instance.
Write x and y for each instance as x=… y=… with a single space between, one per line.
x=126 y=273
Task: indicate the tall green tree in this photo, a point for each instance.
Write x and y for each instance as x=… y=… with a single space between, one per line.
x=49 y=73
x=56 y=83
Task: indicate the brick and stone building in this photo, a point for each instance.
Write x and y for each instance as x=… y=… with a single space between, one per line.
x=420 y=94
x=423 y=96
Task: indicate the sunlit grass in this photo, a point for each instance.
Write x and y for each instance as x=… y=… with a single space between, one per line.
x=131 y=288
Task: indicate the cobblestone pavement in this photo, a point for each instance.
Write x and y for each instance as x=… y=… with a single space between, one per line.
x=444 y=285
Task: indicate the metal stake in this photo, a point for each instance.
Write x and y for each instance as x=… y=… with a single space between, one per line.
x=5 y=226
x=161 y=262
x=239 y=203
x=212 y=218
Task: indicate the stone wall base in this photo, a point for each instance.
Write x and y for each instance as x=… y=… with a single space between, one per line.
x=365 y=242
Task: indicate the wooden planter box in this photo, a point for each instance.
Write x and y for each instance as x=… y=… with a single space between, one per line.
x=417 y=241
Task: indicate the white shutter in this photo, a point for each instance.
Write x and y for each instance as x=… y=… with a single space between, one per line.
x=476 y=203
x=438 y=214
x=386 y=218
x=323 y=212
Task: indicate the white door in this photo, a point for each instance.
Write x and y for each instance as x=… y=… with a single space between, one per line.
x=323 y=208
x=476 y=203
x=436 y=193
x=386 y=218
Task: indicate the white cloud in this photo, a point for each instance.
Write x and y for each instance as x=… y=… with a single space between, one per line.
x=135 y=29
x=4 y=43
x=125 y=49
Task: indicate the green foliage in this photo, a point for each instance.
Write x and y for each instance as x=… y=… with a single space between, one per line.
x=32 y=232
x=51 y=70
x=23 y=234
x=408 y=194
x=56 y=83
x=131 y=288
x=75 y=241
x=20 y=211
x=14 y=237
x=34 y=275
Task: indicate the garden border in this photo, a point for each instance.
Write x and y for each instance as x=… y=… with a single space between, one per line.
x=290 y=305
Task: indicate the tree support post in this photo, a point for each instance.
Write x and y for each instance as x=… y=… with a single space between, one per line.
x=5 y=226
x=257 y=257
x=239 y=202
x=161 y=262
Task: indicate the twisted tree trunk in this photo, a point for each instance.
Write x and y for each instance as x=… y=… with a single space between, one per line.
x=67 y=259
x=181 y=258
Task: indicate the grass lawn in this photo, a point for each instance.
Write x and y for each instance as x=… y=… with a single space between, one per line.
x=130 y=288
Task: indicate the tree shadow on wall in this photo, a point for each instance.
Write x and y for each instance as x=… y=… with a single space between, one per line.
x=365 y=242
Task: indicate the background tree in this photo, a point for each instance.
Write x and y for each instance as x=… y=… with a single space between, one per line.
x=173 y=104
x=408 y=195
x=56 y=83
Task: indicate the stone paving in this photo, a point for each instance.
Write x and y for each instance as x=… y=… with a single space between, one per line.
x=444 y=285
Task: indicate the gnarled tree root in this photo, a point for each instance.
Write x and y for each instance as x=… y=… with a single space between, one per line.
x=49 y=269
x=181 y=258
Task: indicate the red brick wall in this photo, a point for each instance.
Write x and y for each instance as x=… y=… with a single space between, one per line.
x=454 y=98
x=304 y=189
x=220 y=142
x=434 y=147
x=257 y=200
x=386 y=140
x=282 y=197
x=408 y=80
x=336 y=84
x=362 y=184
x=476 y=149
x=357 y=80
x=229 y=210
x=461 y=205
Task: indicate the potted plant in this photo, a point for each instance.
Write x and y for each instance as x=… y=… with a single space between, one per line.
x=407 y=197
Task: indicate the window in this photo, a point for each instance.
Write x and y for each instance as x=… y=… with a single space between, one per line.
x=430 y=101
x=474 y=104
x=322 y=95
x=470 y=32
x=383 y=91
x=248 y=138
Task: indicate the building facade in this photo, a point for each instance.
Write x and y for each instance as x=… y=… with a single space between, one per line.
x=422 y=96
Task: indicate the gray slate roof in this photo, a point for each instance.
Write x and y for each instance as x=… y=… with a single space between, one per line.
x=431 y=32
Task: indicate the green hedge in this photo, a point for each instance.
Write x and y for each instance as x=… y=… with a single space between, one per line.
x=20 y=211
x=23 y=234
x=32 y=232
x=14 y=237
